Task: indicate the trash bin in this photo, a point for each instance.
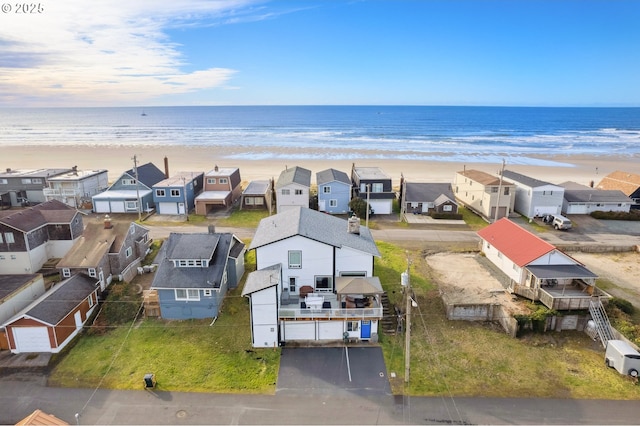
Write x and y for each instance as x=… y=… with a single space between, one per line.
x=149 y=380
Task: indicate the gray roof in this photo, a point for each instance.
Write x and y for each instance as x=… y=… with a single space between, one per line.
x=261 y=279
x=369 y=173
x=296 y=174
x=257 y=187
x=192 y=246
x=525 y=180
x=11 y=283
x=178 y=180
x=49 y=212
x=592 y=195
x=314 y=225
x=148 y=174
x=33 y=173
x=58 y=302
x=332 y=175
x=169 y=276
x=560 y=271
x=420 y=192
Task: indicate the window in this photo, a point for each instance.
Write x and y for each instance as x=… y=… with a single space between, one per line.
x=26 y=181
x=333 y=203
x=8 y=238
x=506 y=191
x=326 y=190
x=223 y=180
x=249 y=201
x=132 y=205
x=323 y=283
x=175 y=192
x=353 y=325
x=207 y=292
x=128 y=181
x=447 y=208
x=295 y=259
x=286 y=192
x=90 y=300
x=377 y=187
x=92 y=272
x=160 y=193
x=298 y=191
x=2 y=257
x=292 y=284
x=259 y=201
x=66 y=272
x=4 y=182
x=36 y=180
x=1 y=239
x=187 y=294
x=494 y=189
x=128 y=252
x=211 y=181
x=132 y=229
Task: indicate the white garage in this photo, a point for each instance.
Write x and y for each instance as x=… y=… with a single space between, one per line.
x=107 y=206
x=31 y=339
x=298 y=330
x=381 y=206
x=330 y=330
x=167 y=208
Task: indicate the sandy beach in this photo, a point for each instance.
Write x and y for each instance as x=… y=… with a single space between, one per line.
x=582 y=168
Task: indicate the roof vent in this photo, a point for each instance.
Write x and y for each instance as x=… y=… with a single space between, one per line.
x=107 y=222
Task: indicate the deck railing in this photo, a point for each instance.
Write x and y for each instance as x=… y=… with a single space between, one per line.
x=292 y=312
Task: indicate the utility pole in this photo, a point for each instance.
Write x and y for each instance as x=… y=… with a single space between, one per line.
x=495 y=219
x=135 y=172
x=367 y=215
x=186 y=205
x=406 y=282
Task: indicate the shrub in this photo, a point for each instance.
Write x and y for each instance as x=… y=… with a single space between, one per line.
x=623 y=304
x=632 y=215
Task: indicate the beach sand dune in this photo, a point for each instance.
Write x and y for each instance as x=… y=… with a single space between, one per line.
x=583 y=169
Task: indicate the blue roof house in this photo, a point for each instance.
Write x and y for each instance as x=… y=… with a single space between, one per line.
x=194 y=273
x=334 y=191
x=130 y=190
x=173 y=194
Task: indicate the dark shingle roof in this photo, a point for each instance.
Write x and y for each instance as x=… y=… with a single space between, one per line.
x=148 y=174
x=169 y=276
x=525 y=180
x=11 y=283
x=261 y=279
x=560 y=271
x=420 y=192
x=313 y=225
x=257 y=187
x=596 y=196
x=332 y=175
x=62 y=298
x=52 y=211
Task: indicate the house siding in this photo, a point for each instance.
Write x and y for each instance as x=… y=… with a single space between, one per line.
x=264 y=318
x=206 y=307
x=286 y=201
x=350 y=260
x=340 y=192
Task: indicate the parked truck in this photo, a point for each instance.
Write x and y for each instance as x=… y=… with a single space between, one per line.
x=623 y=357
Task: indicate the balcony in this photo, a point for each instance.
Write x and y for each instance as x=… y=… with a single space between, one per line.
x=58 y=192
x=330 y=308
x=563 y=297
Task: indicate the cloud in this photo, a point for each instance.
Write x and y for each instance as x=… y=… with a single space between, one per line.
x=111 y=52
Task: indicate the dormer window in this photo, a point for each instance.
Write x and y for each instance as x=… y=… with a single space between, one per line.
x=191 y=263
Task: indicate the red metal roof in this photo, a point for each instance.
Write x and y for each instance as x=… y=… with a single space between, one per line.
x=519 y=245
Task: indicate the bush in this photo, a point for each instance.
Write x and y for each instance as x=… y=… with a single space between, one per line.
x=623 y=304
x=632 y=215
x=450 y=216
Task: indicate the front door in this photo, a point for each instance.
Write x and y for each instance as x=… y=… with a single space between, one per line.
x=365 y=329
x=180 y=208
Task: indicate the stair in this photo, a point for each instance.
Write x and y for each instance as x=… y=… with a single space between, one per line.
x=389 y=321
x=599 y=316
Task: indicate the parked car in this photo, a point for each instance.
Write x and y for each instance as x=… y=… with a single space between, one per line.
x=557 y=221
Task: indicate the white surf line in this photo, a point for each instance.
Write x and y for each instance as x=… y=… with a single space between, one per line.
x=346 y=350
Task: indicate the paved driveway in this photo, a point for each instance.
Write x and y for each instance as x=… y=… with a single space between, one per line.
x=327 y=371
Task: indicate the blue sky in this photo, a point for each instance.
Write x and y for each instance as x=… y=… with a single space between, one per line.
x=325 y=52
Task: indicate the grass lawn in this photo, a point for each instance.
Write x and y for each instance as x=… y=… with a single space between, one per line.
x=474 y=221
x=243 y=218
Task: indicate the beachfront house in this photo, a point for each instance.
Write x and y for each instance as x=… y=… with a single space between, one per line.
x=292 y=188
x=314 y=279
x=55 y=318
x=76 y=187
x=177 y=194
x=582 y=199
x=488 y=196
x=258 y=195
x=536 y=269
x=334 y=191
x=31 y=237
x=194 y=273
x=26 y=187
x=16 y=293
x=533 y=197
x=107 y=250
x=628 y=183
x=374 y=186
x=428 y=198
x=222 y=187
x=131 y=192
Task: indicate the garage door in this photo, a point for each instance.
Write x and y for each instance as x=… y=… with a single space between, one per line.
x=330 y=330
x=117 y=207
x=101 y=207
x=299 y=330
x=31 y=339
x=580 y=208
x=381 y=207
x=168 y=208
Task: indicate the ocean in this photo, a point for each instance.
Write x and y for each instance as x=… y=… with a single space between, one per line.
x=437 y=133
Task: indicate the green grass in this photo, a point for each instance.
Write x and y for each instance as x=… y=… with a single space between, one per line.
x=244 y=218
x=474 y=221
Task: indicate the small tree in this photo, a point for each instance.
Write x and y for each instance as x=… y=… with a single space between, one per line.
x=358 y=206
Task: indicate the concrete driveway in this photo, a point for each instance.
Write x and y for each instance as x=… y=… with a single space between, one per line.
x=339 y=370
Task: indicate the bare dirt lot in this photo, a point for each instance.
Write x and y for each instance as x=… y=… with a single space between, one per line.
x=620 y=269
x=463 y=278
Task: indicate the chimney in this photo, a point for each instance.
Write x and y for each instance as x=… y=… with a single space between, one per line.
x=166 y=168
x=212 y=229
x=8 y=170
x=353 y=225
x=75 y=170
x=215 y=168
x=107 y=222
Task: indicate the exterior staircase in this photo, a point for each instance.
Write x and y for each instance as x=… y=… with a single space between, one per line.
x=389 y=321
x=600 y=318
